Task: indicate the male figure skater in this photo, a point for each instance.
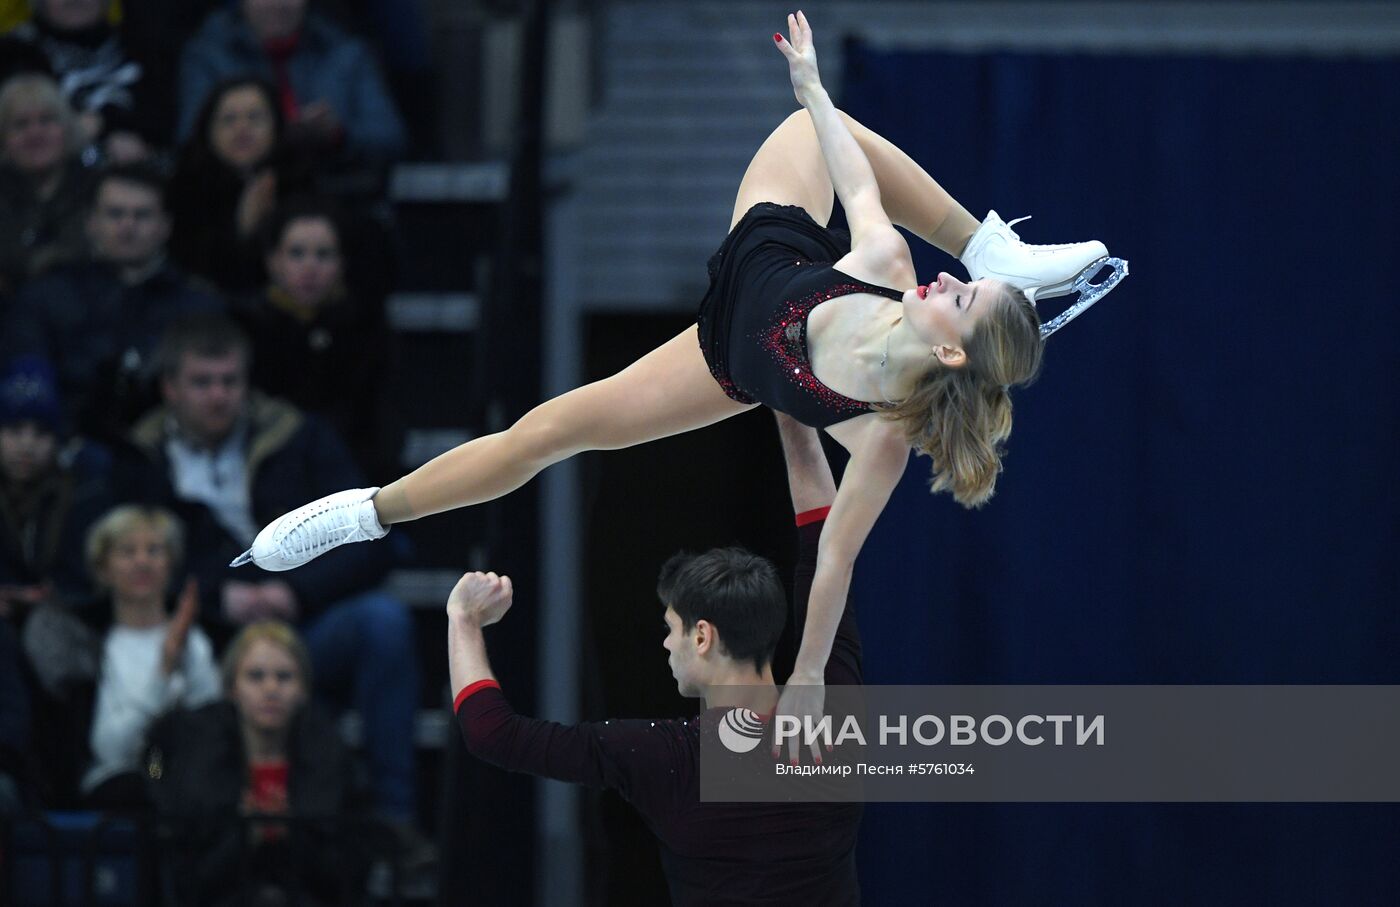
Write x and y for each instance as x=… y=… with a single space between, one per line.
x=725 y=611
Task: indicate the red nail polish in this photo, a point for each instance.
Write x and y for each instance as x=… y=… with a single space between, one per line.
x=778 y=38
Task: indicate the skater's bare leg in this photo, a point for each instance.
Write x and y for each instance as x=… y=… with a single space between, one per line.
x=789 y=170
x=666 y=392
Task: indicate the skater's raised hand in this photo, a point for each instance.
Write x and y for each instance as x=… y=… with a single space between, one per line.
x=801 y=55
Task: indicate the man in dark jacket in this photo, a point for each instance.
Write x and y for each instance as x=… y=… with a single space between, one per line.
x=228 y=460
x=99 y=321
x=724 y=613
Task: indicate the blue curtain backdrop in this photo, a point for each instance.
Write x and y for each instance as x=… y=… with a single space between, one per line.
x=1200 y=488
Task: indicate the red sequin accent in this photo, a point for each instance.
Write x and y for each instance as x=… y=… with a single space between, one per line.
x=786 y=341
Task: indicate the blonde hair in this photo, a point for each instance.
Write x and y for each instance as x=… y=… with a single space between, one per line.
x=270 y=631
x=961 y=417
x=119 y=521
x=35 y=87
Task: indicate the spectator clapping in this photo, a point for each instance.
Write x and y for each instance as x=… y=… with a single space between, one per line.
x=232 y=170
x=152 y=661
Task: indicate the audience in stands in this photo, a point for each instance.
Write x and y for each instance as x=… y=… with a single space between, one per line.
x=96 y=265
x=230 y=175
x=262 y=751
x=152 y=661
x=328 y=84
x=318 y=345
x=100 y=320
x=46 y=509
x=231 y=459
x=43 y=185
x=119 y=105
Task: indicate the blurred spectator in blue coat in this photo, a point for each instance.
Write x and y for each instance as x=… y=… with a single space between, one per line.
x=328 y=84
x=99 y=321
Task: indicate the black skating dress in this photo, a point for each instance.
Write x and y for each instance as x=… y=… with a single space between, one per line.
x=770 y=272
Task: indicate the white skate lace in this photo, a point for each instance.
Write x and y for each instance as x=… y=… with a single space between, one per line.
x=312 y=537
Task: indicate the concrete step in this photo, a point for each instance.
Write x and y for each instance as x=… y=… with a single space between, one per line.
x=480 y=183
x=434 y=312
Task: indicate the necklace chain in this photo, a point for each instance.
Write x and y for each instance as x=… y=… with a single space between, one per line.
x=886 y=358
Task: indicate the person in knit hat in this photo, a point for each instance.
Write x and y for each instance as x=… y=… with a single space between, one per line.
x=45 y=508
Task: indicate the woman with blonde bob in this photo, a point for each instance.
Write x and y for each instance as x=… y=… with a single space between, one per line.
x=801 y=320
x=43 y=185
x=152 y=661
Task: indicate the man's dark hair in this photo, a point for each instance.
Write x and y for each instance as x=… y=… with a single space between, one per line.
x=204 y=334
x=143 y=175
x=737 y=591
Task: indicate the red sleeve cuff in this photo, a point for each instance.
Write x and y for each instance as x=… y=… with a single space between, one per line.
x=470 y=689
x=812 y=516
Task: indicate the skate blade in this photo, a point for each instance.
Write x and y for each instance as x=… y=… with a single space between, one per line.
x=244 y=558
x=1089 y=293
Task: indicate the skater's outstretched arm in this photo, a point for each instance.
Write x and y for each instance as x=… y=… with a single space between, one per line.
x=877 y=463
x=879 y=453
x=878 y=459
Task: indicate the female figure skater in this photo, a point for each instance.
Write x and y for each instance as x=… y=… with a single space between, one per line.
x=800 y=321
